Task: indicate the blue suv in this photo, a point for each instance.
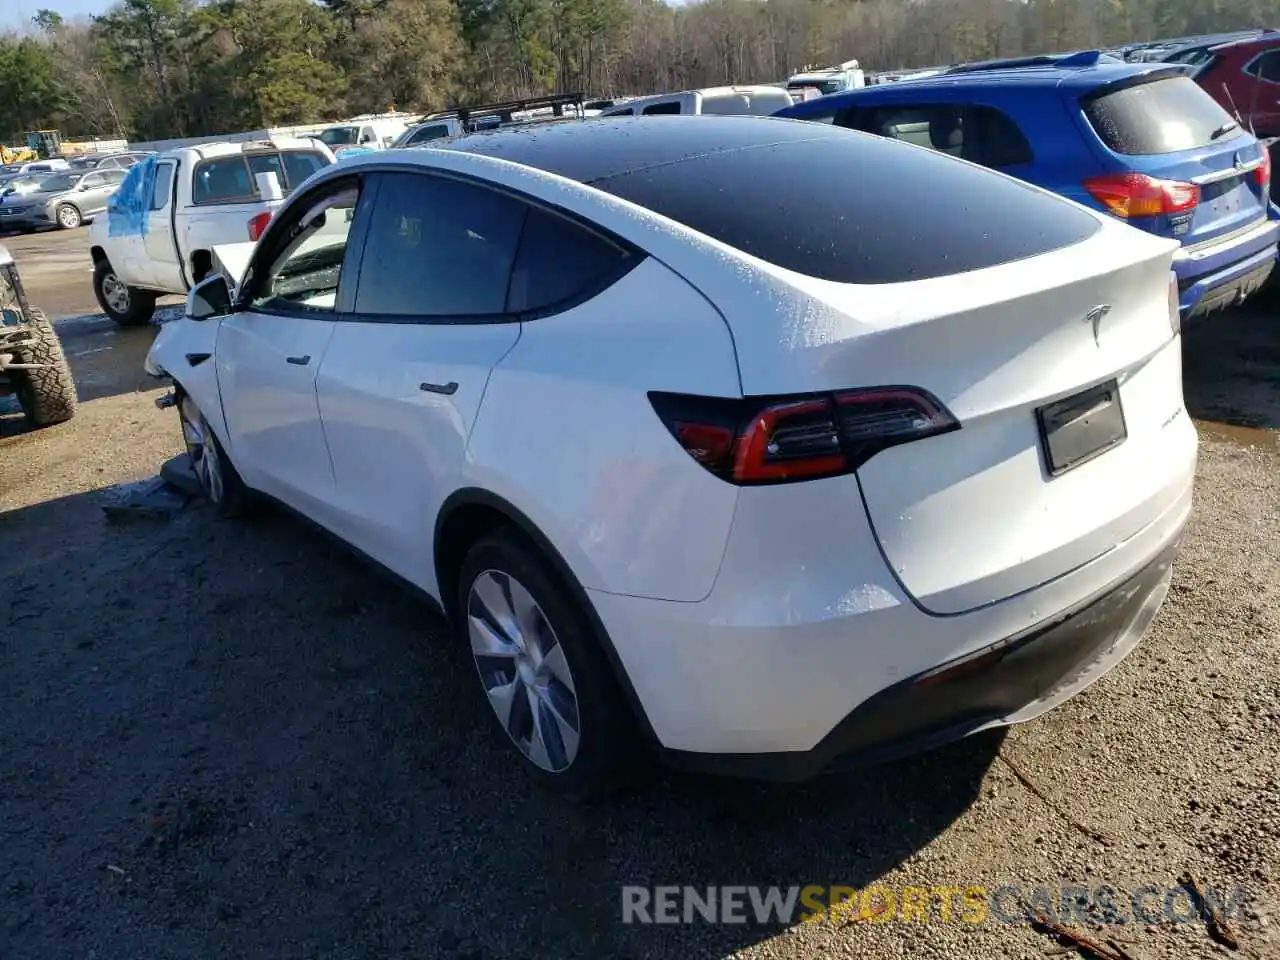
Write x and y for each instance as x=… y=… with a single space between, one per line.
x=1139 y=141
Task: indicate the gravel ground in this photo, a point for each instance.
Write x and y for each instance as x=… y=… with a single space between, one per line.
x=233 y=740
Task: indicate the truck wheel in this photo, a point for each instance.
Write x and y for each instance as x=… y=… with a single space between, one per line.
x=68 y=217
x=47 y=394
x=127 y=306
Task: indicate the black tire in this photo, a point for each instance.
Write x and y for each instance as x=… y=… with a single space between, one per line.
x=609 y=752
x=68 y=216
x=228 y=495
x=47 y=395
x=140 y=305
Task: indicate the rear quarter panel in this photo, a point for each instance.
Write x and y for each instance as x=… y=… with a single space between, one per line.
x=1060 y=136
x=630 y=511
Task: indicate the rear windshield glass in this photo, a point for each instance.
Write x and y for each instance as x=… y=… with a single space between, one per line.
x=231 y=179
x=1164 y=116
x=339 y=136
x=855 y=208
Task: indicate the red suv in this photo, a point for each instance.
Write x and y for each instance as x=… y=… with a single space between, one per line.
x=1244 y=77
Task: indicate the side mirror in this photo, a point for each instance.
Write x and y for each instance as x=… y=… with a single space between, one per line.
x=209 y=298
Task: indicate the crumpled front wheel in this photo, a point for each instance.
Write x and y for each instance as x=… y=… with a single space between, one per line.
x=213 y=469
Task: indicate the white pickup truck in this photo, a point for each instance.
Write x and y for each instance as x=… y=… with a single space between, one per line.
x=173 y=208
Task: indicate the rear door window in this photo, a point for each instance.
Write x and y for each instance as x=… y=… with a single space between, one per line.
x=1157 y=117
x=1267 y=66
x=438 y=247
x=980 y=134
x=997 y=140
x=560 y=261
x=655 y=109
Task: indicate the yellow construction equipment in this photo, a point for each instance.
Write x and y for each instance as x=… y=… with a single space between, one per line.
x=16 y=154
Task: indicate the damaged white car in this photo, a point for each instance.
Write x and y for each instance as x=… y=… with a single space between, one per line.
x=762 y=486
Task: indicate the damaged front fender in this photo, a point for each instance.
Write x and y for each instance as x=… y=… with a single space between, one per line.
x=181 y=352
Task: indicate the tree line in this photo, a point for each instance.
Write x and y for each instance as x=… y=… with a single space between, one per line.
x=152 y=69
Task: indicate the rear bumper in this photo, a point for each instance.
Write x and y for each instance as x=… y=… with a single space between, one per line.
x=1219 y=274
x=802 y=656
x=1010 y=681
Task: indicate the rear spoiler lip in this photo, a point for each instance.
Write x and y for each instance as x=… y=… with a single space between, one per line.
x=1163 y=72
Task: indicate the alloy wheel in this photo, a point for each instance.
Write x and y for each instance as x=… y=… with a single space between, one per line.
x=202 y=451
x=115 y=293
x=69 y=217
x=523 y=669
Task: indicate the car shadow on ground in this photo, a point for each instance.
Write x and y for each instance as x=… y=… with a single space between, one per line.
x=1231 y=365
x=232 y=738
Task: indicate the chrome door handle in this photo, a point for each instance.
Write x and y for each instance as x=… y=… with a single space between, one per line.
x=448 y=389
x=300 y=361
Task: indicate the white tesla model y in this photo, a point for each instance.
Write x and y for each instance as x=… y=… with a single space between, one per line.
x=764 y=443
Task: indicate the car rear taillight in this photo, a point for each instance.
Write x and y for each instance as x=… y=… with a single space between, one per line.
x=1138 y=195
x=1262 y=172
x=258 y=224
x=778 y=439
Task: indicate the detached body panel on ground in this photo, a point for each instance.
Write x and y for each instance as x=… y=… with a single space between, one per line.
x=785 y=491
x=1138 y=141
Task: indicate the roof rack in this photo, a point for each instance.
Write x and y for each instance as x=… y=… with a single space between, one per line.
x=504 y=109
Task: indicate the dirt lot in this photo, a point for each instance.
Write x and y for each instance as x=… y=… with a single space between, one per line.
x=229 y=739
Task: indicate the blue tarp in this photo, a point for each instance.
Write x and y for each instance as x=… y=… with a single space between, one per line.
x=128 y=207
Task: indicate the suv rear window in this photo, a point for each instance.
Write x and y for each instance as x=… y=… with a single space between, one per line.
x=856 y=208
x=1160 y=116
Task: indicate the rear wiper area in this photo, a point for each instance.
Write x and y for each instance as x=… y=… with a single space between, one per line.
x=1224 y=129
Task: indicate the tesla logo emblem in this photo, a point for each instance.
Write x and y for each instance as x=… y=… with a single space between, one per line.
x=1095 y=316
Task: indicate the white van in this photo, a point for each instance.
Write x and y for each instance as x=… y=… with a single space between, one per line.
x=363 y=133
x=760 y=101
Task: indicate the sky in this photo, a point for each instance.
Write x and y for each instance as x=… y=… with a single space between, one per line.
x=16 y=14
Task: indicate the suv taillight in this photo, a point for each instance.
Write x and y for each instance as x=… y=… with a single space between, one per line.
x=774 y=440
x=258 y=224
x=1262 y=172
x=1138 y=195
